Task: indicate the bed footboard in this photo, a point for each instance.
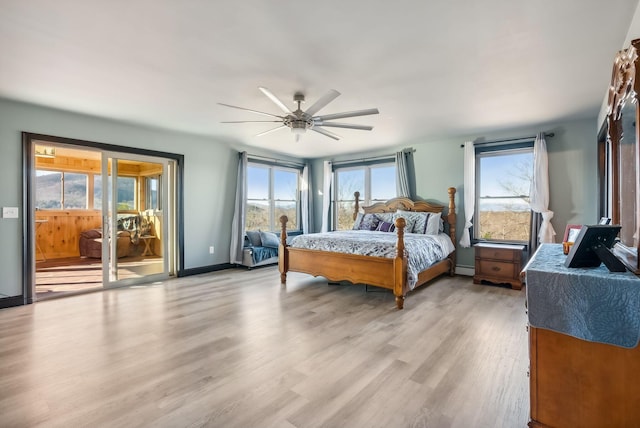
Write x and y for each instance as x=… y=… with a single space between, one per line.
x=378 y=271
x=283 y=254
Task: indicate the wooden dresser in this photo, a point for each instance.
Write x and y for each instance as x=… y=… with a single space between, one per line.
x=576 y=382
x=499 y=263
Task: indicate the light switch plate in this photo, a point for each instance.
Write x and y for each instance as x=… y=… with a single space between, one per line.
x=9 y=212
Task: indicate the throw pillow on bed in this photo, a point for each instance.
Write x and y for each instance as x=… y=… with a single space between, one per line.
x=356 y=223
x=386 y=227
x=369 y=222
x=388 y=217
x=269 y=239
x=416 y=221
x=433 y=224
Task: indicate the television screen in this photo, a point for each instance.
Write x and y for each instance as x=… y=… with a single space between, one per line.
x=592 y=247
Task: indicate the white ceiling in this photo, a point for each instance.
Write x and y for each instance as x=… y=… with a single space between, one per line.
x=433 y=68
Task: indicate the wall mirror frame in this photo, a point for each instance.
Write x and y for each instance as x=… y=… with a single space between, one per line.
x=619 y=155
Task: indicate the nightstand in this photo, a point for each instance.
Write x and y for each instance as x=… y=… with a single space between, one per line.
x=499 y=264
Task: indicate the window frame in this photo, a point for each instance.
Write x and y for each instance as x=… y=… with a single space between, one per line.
x=62 y=173
x=486 y=150
x=365 y=198
x=274 y=223
x=148 y=192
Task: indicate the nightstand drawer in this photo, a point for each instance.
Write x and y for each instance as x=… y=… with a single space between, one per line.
x=497 y=269
x=498 y=263
x=496 y=253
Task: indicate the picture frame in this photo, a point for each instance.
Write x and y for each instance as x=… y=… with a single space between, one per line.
x=571 y=232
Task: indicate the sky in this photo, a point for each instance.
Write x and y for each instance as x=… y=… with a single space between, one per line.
x=504 y=169
x=285 y=183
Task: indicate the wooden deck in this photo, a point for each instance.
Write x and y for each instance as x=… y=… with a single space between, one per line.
x=64 y=276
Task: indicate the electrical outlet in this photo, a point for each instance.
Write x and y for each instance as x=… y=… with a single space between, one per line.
x=211 y=249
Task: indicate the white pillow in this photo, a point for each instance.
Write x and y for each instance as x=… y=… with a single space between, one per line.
x=433 y=224
x=358 y=220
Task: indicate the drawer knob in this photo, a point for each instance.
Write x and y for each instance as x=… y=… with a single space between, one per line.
x=495 y=268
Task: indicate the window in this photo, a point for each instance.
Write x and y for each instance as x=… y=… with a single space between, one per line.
x=126 y=187
x=97 y=192
x=376 y=183
x=503 y=182
x=56 y=190
x=152 y=189
x=272 y=191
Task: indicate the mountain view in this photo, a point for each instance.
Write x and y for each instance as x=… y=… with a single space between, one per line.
x=49 y=191
x=257 y=217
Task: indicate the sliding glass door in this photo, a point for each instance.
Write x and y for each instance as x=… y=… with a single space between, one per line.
x=138 y=214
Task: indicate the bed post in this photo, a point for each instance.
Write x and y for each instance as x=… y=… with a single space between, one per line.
x=283 y=255
x=451 y=219
x=399 y=264
x=356 y=208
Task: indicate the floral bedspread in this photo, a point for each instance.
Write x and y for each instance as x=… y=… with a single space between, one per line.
x=422 y=250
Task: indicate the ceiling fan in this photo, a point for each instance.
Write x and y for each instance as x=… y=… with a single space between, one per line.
x=299 y=121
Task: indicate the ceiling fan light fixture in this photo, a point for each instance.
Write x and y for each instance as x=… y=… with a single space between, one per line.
x=298 y=130
x=299 y=121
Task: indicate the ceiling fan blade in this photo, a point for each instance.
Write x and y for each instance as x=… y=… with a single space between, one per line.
x=253 y=111
x=347 y=114
x=275 y=99
x=326 y=99
x=325 y=132
x=270 y=131
x=344 y=125
x=251 y=121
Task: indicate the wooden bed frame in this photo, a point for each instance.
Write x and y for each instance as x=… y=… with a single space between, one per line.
x=390 y=273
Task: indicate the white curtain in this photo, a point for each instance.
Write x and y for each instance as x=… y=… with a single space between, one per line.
x=306 y=199
x=402 y=175
x=469 y=191
x=326 y=195
x=539 y=195
x=237 y=224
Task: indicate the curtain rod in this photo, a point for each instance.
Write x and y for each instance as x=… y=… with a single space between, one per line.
x=373 y=158
x=506 y=140
x=274 y=160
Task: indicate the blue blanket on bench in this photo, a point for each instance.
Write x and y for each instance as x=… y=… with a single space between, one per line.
x=263 y=253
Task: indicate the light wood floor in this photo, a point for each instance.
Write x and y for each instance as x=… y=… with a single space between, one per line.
x=233 y=349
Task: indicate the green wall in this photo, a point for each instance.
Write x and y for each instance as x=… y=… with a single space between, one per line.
x=438 y=165
x=210 y=176
x=209 y=179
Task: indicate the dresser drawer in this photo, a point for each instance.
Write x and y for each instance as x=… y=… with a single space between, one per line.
x=497 y=253
x=497 y=269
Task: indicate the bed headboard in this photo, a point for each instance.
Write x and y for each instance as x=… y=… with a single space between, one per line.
x=406 y=204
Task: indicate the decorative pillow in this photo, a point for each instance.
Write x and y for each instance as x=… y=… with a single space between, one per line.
x=356 y=223
x=369 y=222
x=388 y=217
x=269 y=239
x=254 y=238
x=386 y=227
x=441 y=229
x=416 y=221
x=433 y=224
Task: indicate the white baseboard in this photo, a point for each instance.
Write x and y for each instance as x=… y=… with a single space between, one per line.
x=465 y=270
